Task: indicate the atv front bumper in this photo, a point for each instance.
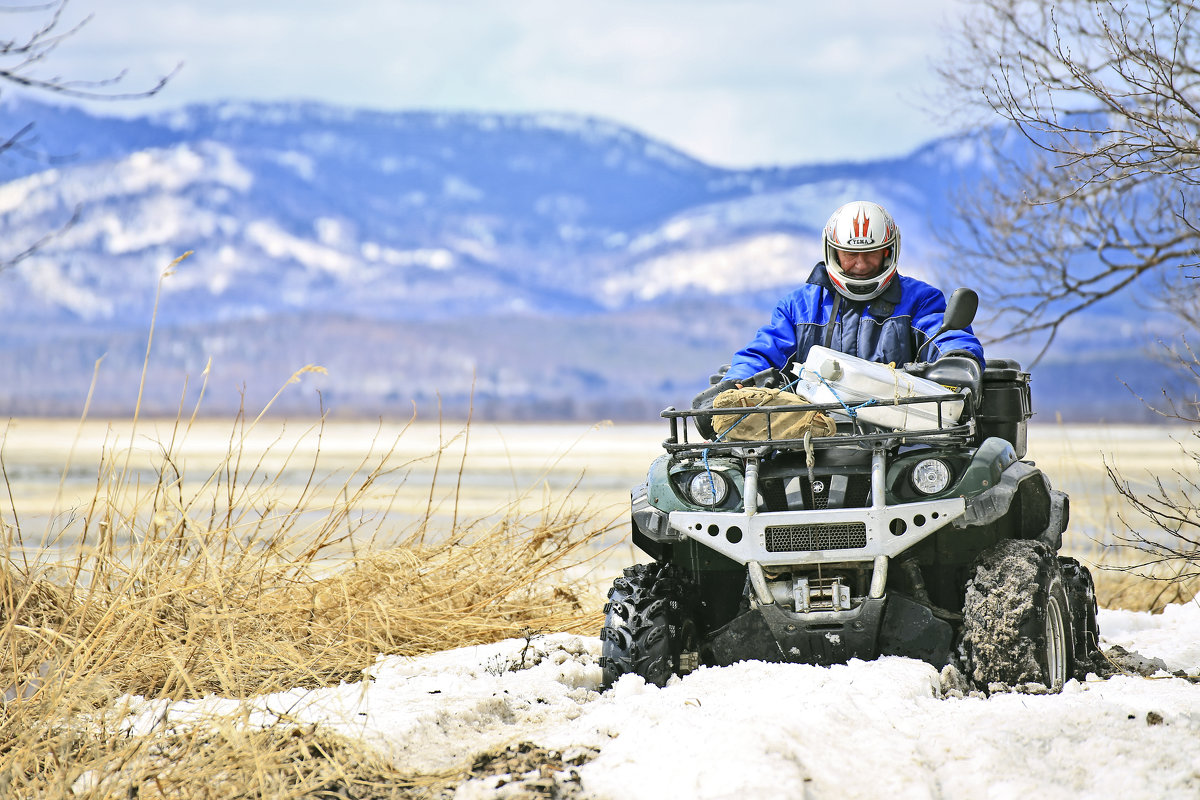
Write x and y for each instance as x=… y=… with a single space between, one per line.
x=780 y=538
x=807 y=536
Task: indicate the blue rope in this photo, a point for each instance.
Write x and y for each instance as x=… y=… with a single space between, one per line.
x=712 y=482
x=852 y=411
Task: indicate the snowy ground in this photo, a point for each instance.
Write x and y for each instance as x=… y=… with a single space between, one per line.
x=864 y=730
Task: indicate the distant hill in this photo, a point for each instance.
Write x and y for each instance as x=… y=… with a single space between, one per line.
x=539 y=266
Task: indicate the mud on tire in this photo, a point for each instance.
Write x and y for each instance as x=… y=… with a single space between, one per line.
x=1017 y=625
x=649 y=625
x=1081 y=593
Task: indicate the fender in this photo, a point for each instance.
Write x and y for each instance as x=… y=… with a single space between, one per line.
x=1023 y=483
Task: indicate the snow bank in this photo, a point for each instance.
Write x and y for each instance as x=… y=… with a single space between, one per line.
x=860 y=730
x=1173 y=636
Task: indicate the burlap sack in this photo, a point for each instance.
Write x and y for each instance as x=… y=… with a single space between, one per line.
x=753 y=427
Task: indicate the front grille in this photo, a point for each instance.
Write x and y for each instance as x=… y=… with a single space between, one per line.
x=836 y=491
x=789 y=491
x=821 y=536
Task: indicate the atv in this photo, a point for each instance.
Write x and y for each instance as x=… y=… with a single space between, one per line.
x=907 y=524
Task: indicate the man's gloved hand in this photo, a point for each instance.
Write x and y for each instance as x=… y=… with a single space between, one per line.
x=769 y=378
x=953 y=358
x=704 y=401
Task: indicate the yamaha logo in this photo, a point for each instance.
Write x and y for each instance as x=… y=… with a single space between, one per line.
x=818 y=487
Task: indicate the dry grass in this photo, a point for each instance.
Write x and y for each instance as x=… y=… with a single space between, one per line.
x=221 y=762
x=178 y=592
x=181 y=586
x=224 y=585
x=1119 y=585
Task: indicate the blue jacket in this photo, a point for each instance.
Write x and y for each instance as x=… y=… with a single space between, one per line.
x=890 y=328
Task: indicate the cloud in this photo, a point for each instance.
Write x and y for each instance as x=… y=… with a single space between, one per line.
x=735 y=83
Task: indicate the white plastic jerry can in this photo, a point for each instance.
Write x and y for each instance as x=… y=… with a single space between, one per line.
x=832 y=377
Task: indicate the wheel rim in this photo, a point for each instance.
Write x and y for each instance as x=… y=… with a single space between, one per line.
x=1056 y=644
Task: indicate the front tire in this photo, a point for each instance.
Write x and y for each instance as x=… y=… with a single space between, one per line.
x=649 y=625
x=1017 y=621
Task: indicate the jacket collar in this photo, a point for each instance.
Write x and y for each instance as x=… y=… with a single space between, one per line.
x=890 y=295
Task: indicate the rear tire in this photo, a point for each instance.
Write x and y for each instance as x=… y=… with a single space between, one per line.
x=649 y=625
x=1081 y=593
x=1017 y=620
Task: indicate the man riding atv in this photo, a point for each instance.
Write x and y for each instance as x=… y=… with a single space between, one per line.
x=882 y=508
x=857 y=303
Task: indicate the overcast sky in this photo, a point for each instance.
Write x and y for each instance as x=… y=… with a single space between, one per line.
x=733 y=82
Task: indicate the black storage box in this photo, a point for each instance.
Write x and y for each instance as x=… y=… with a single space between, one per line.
x=1006 y=403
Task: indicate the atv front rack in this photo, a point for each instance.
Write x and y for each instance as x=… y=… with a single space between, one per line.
x=859 y=433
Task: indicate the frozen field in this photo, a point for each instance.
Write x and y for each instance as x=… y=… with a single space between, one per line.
x=53 y=466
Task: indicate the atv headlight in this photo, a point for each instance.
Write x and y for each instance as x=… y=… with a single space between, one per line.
x=930 y=476
x=708 y=488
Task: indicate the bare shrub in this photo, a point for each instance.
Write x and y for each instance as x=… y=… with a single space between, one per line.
x=1088 y=191
x=1160 y=526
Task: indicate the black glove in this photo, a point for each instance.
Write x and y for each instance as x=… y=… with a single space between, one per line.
x=769 y=378
x=704 y=401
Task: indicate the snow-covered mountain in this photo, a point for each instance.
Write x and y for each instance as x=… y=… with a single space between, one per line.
x=548 y=265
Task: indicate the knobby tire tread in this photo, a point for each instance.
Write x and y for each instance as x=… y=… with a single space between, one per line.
x=646 y=610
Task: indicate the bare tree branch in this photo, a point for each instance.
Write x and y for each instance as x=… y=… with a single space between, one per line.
x=1090 y=189
x=20 y=58
x=23 y=59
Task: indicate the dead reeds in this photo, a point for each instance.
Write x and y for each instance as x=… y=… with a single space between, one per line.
x=239 y=582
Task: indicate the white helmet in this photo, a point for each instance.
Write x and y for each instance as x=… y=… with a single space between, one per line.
x=861 y=227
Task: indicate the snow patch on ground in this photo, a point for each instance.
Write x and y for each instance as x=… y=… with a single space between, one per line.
x=859 y=730
x=278 y=243
x=1156 y=635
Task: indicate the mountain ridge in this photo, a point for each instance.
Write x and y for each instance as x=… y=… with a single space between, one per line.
x=308 y=221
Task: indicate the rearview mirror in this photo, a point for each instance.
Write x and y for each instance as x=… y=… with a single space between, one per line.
x=960 y=310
